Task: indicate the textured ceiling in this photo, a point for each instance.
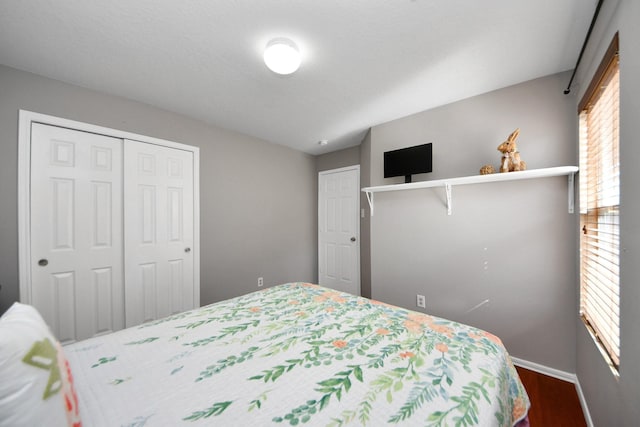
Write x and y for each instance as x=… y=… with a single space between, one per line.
x=365 y=62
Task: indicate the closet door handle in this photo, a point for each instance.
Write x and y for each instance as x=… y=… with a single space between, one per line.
x=43 y=262
x=187 y=250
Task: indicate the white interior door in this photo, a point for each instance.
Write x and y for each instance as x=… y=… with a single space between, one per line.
x=339 y=229
x=159 y=231
x=76 y=231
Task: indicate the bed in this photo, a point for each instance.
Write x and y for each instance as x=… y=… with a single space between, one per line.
x=295 y=354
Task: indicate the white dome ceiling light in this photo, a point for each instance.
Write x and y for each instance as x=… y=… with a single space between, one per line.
x=282 y=56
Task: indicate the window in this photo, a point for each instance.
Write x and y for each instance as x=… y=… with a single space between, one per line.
x=600 y=206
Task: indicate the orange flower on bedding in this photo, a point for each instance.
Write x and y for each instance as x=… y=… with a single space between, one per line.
x=492 y=338
x=330 y=309
x=339 y=343
x=442 y=347
x=423 y=319
x=442 y=329
x=407 y=355
x=519 y=408
x=474 y=336
x=294 y=302
x=382 y=331
x=323 y=297
x=254 y=309
x=374 y=302
x=413 y=326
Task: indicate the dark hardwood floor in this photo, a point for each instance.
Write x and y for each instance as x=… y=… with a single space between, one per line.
x=554 y=403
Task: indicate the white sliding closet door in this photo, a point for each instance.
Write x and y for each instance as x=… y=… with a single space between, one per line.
x=108 y=226
x=159 y=233
x=76 y=231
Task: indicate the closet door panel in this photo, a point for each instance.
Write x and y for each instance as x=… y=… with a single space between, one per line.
x=159 y=216
x=76 y=231
x=102 y=303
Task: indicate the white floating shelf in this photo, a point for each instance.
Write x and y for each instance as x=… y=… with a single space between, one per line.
x=448 y=183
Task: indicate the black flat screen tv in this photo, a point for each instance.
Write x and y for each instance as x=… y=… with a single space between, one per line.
x=408 y=161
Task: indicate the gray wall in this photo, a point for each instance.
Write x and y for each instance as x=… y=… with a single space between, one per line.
x=511 y=243
x=365 y=223
x=611 y=401
x=338 y=159
x=258 y=200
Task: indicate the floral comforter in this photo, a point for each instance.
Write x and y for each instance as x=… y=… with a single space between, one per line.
x=297 y=354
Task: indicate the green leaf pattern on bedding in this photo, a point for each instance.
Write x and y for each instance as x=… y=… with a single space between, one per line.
x=216 y=409
x=101 y=361
x=350 y=360
x=142 y=341
x=290 y=322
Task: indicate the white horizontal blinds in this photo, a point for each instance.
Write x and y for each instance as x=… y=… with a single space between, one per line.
x=600 y=206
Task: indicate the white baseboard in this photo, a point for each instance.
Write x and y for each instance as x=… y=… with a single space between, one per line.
x=583 y=403
x=561 y=375
x=545 y=370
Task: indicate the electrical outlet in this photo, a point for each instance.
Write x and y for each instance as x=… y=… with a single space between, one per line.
x=260 y=281
x=421 y=301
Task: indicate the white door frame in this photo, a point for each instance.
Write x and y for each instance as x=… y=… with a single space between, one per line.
x=356 y=213
x=26 y=118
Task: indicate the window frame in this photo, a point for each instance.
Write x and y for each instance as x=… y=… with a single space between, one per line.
x=610 y=350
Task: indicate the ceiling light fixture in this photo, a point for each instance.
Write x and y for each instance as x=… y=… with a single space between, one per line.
x=282 y=56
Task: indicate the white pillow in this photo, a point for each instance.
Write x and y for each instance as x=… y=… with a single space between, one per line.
x=36 y=385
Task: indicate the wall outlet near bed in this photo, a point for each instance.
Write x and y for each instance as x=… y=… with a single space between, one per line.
x=421 y=301
x=260 y=281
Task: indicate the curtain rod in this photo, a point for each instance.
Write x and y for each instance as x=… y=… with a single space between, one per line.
x=584 y=45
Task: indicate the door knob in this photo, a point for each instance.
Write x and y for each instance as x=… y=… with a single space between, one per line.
x=353 y=239
x=187 y=250
x=43 y=262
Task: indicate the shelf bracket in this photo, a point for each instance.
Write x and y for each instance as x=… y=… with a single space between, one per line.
x=370 y=200
x=571 y=192
x=447 y=189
